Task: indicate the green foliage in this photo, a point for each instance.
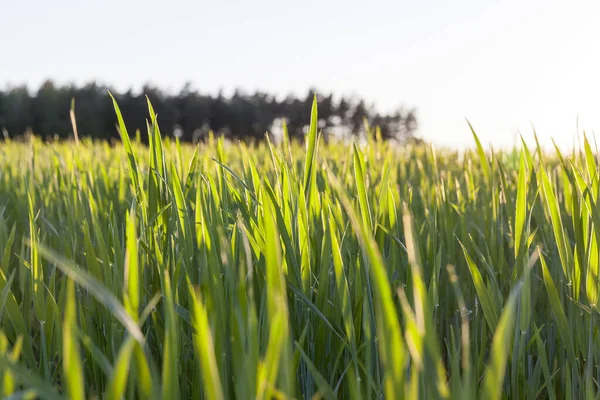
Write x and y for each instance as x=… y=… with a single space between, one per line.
x=296 y=270
x=69 y=111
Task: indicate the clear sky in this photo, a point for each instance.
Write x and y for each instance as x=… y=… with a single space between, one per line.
x=504 y=65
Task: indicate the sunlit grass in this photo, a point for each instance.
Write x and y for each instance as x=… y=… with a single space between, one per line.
x=282 y=270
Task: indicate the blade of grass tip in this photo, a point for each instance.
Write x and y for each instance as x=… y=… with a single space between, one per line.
x=180 y=202
x=521 y=212
x=537 y=143
x=72 y=369
x=204 y=345
x=557 y=225
x=593 y=269
x=192 y=172
x=485 y=165
x=359 y=174
x=590 y=160
x=159 y=154
x=133 y=164
x=73 y=121
x=484 y=295
x=560 y=156
x=240 y=180
x=309 y=164
x=528 y=155
x=96 y=289
x=378 y=135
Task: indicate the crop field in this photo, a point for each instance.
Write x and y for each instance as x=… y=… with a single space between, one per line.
x=287 y=270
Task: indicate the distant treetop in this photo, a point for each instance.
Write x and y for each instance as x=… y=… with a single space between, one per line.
x=190 y=115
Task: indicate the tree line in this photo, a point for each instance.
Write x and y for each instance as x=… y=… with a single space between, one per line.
x=188 y=114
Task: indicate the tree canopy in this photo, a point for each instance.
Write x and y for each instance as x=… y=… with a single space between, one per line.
x=189 y=114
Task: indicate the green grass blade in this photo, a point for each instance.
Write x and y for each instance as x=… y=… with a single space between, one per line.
x=558 y=311
x=72 y=368
x=96 y=289
x=494 y=373
x=204 y=346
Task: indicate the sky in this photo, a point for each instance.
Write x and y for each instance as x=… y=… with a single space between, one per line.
x=507 y=66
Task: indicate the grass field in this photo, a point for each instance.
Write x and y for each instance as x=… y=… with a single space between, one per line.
x=297 y=271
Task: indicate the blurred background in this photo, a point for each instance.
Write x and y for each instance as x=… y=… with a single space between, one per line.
x=416 y=68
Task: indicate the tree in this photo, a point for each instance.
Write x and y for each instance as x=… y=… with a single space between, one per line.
x=242 y=116
x=17 y=110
